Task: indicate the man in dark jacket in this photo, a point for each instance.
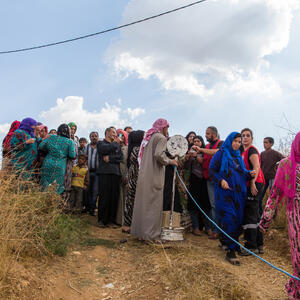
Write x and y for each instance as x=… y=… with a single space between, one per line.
x=109 y=155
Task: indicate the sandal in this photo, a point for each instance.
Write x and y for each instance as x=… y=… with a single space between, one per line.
x=231 y=257
x=233 y=261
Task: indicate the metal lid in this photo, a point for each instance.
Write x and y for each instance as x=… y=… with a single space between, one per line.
x=177 y=145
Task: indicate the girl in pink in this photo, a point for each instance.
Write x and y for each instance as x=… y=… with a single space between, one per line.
x=287 y=188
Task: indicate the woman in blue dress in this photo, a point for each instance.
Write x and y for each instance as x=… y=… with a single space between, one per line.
x=58 y=148
x=24 y=148
x=228 y=171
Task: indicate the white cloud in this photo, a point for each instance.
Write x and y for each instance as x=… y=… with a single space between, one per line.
x=71 y=109
x=4 y=128
x=217 y=45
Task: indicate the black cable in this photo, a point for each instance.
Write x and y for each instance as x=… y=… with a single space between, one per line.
x=101 y=32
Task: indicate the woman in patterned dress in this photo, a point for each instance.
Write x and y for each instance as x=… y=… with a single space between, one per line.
x=287 y=187
x=59 y=148
x=134 y=141
x=24 y=148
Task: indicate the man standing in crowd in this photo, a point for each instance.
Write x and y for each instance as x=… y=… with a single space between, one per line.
x=269 y=159
x=148 y=206
x=92 y=193
x=214 y=144
x=109 y=155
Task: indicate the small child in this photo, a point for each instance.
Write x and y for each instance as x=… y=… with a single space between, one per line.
x=82 y=146
x=80 y=182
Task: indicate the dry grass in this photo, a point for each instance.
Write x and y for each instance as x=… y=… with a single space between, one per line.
x=193 y=276
x=278 y=232
x=32 y=229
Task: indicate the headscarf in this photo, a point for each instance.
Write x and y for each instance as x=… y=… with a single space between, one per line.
x=228 y=153
x=63 y=130
x=187 y=138
x=26 y=126
x=13 y=127
x=157 y=126
x=72 y=124
x=285 y=179
x=125 y=134
x=41 y=127
x=134 y=140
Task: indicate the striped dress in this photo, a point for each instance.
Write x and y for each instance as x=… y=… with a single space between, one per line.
x=293 y=218
x=133 y=173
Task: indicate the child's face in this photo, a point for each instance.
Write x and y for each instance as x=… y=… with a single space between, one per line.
x=81 y=160
x=267 y=144
x=82 y=144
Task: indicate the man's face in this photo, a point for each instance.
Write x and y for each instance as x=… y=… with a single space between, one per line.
x=267 y=144
x=73 y=130
x=112 y=134
x=94 y=138
x=165 y=131
x=209 y=135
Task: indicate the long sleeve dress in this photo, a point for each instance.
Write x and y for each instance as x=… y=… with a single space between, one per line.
x=293 y=218
x=53 y=170
x=133 y=173
x=23 y=156
x=229 y=203
x=148 y=205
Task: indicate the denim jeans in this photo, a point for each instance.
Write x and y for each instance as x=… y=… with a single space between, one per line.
x=213 y=213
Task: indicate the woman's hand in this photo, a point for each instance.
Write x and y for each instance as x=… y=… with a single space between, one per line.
x=253 y=188
x=225 y=185
x=30 y=141
x=253 y=173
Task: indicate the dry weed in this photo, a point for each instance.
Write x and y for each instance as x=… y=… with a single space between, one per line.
x=199 y=279
x=31 y=229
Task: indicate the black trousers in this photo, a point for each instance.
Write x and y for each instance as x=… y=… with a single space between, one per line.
x=109 y=191
x=252 y=214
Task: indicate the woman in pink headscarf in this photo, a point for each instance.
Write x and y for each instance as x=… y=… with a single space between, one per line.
x=148 y=204
x=287 y=187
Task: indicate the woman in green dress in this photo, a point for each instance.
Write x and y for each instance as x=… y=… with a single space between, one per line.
x=59 y=148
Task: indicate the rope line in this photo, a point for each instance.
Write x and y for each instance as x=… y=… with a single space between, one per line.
x=219 y=228
x=103 y=31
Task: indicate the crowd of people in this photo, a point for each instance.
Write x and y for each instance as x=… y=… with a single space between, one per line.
x=127 y=178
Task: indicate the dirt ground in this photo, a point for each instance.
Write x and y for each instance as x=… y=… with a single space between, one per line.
x=105 y=268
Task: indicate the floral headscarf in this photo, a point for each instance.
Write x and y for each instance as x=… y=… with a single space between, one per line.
x=125 y=134
x=285 y=180
x=41 y=127
x=72 y=124
x=26 y=126
x=157 y=126
x=13 y=127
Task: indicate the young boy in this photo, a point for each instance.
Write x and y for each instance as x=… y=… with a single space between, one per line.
x=80 y=182
x=82 y=146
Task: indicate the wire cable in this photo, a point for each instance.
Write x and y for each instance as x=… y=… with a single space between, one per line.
x=219 y=228
x=103 y=31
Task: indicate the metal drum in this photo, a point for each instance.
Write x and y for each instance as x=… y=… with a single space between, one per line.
x=177 y=146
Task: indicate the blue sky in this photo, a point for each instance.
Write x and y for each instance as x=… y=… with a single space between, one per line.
x=230 y=63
